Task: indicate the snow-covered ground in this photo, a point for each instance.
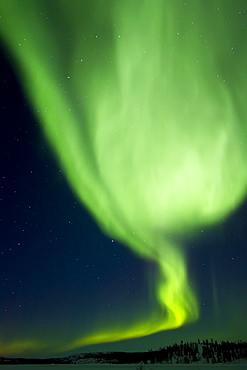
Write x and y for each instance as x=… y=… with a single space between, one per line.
x=125 y=367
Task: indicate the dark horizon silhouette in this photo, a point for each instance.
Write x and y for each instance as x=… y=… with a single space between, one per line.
x=202 y=351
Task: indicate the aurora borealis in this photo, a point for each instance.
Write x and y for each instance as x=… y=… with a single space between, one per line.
x=141 y=105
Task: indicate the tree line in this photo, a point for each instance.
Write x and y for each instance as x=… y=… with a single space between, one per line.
x=208 y=352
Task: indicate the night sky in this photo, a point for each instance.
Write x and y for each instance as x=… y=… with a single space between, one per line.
x=61 y=277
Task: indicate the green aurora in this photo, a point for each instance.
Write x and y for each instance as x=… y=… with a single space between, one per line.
x=143 y=103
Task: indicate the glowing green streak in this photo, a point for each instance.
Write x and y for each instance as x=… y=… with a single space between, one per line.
x=146 y=121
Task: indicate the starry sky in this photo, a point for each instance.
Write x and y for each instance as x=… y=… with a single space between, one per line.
x=61 y=277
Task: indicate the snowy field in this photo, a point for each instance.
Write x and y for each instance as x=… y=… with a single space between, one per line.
x=124 y=367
